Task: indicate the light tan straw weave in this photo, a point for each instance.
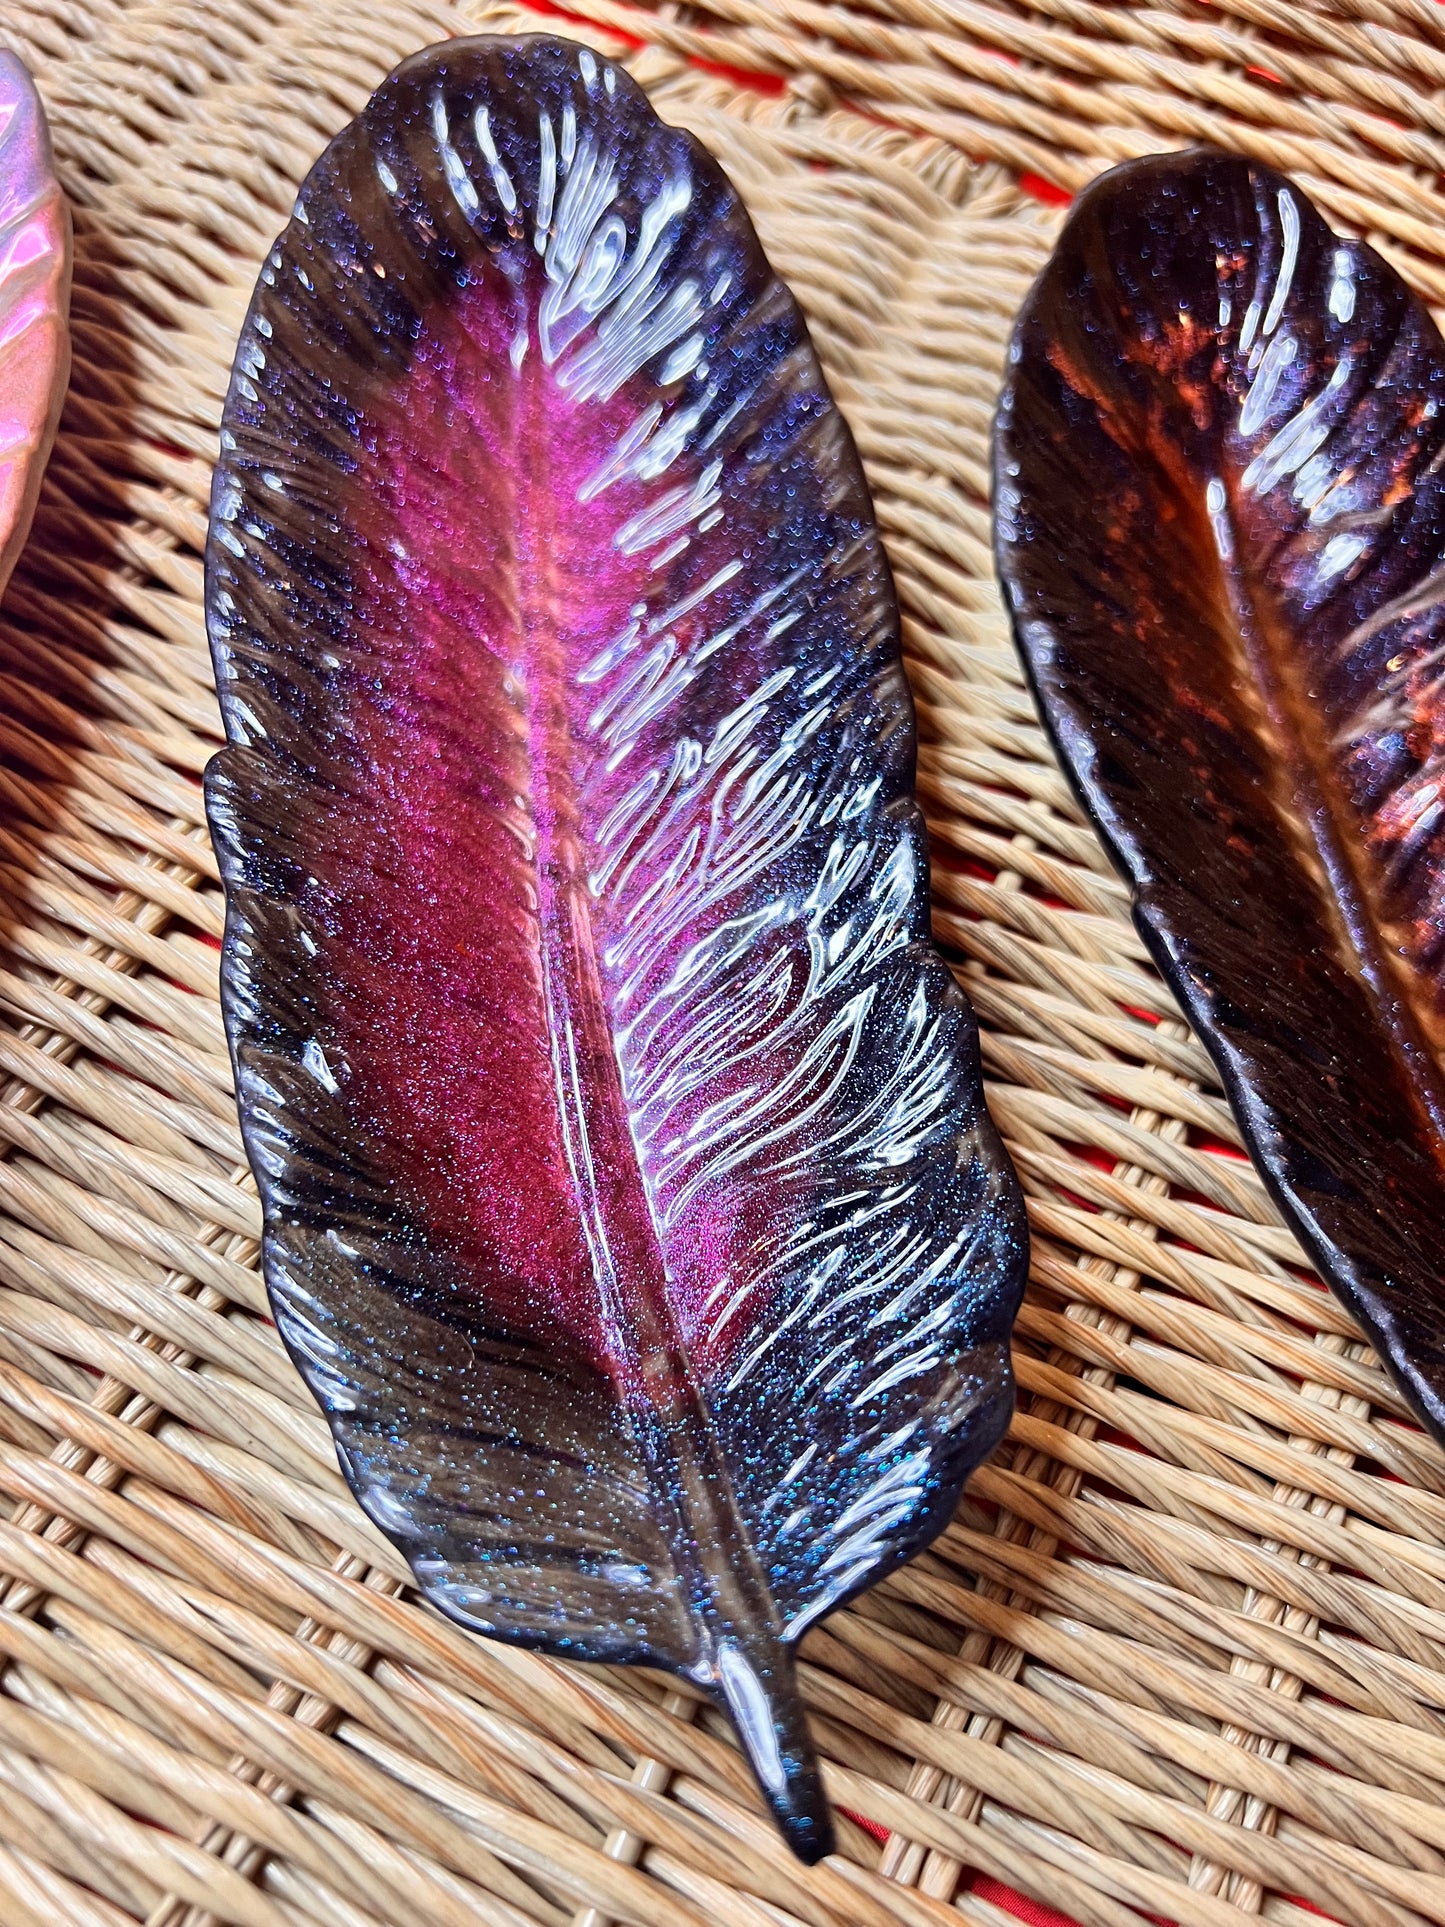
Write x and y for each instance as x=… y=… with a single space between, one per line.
x=1183 y=1651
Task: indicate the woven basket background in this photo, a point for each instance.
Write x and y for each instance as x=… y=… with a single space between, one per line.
x=1182 y=1653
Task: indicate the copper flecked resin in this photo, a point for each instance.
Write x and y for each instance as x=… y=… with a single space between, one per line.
x=631 y=1205
x=1220 y=473
x=34 y=298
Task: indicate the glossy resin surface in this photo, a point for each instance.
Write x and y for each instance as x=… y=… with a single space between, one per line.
x=631 y=1205
x=34 y=300
x=1220 y=473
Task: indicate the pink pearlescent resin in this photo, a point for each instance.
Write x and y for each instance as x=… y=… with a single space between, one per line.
x=515 y=944
x=34 y=300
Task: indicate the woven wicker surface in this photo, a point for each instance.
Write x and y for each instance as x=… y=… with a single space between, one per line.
x=1183 y=1651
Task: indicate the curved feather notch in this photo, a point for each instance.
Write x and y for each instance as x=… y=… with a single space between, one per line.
x=631 y=1205
x=34 y=302
x=1220 y=520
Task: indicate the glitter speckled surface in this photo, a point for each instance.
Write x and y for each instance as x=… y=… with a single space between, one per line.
x=1221 y=523
x=631 y=1204
x=34 y=297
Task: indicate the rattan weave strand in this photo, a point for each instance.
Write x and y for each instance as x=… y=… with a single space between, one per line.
x=1182 y=1653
